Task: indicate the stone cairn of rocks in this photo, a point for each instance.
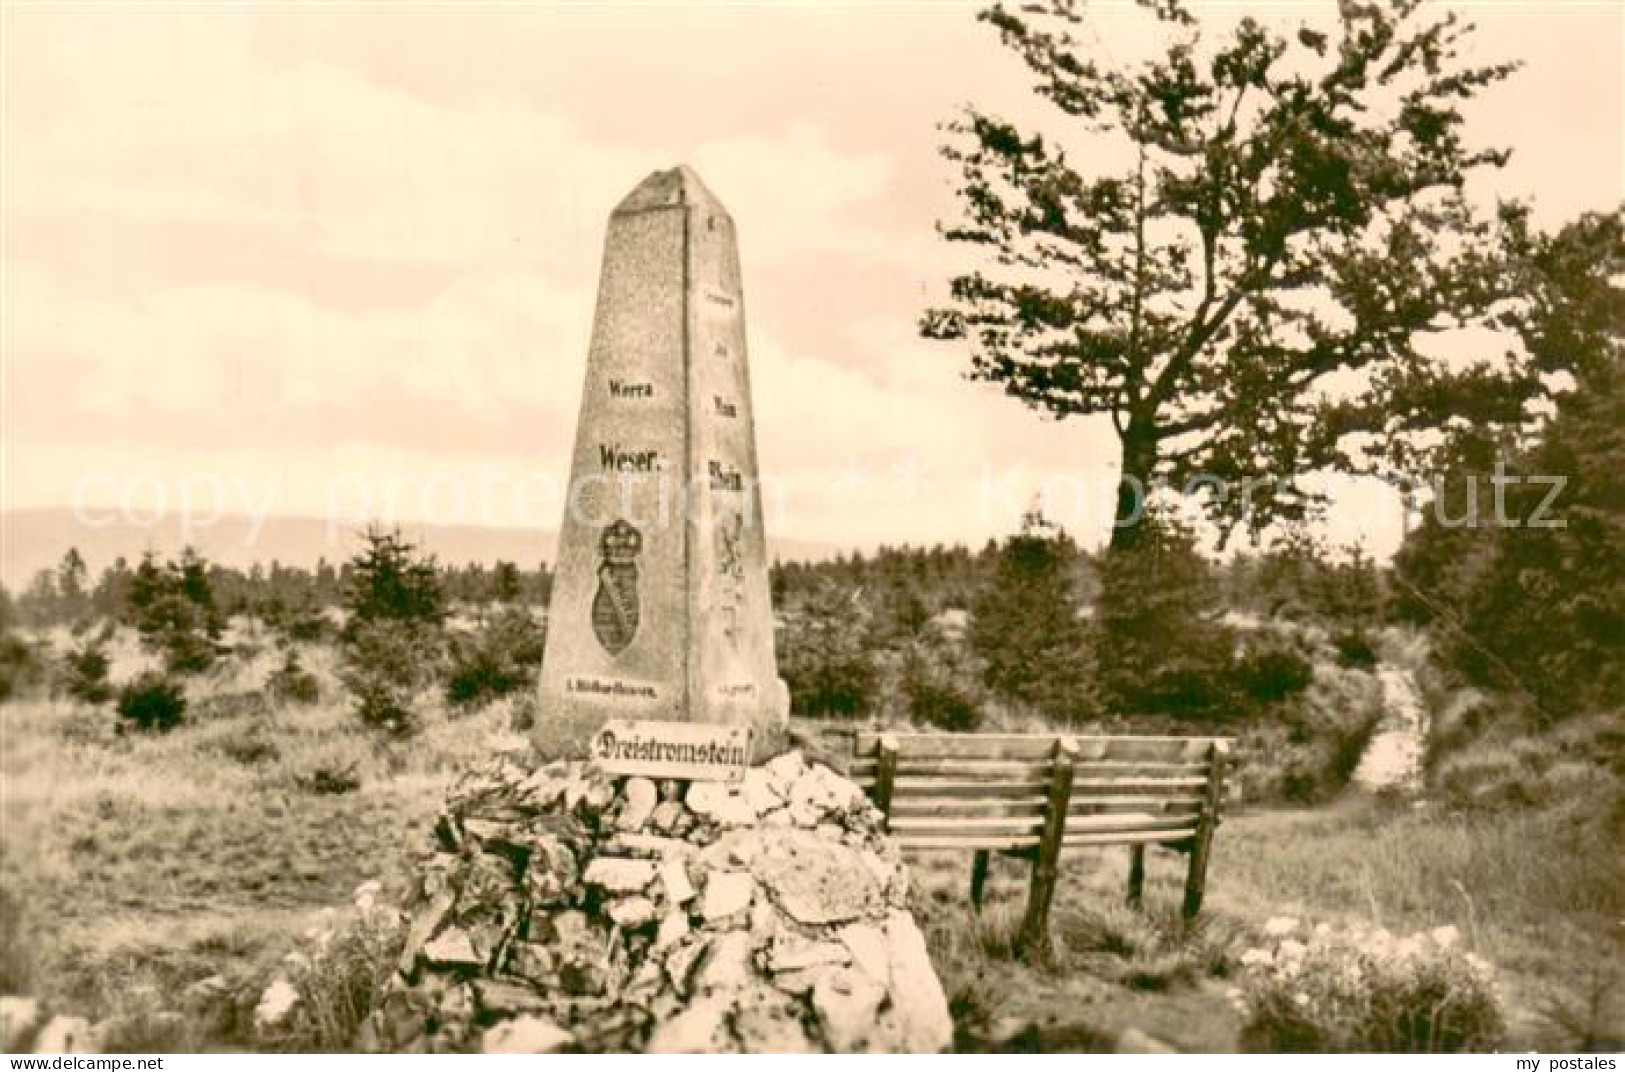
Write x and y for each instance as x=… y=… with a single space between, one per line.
x=569 y=910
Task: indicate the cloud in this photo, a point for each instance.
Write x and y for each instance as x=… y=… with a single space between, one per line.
x=794 y=194
x=360 y=170
x=297 y=259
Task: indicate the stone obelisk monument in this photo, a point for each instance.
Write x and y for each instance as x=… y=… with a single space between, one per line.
x=660 y=595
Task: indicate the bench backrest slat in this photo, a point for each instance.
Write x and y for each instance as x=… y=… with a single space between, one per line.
x=975 y=768
x=995 y=791
x=1083 y=785
x=1036 y=770
x=984 y=806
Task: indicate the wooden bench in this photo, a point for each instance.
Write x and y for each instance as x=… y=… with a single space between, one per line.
x=1033 y=795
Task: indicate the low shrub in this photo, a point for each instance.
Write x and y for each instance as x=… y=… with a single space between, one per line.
x=1272 y=673
x=305 y=624
x=1112 y=929
x=250 y=749
x=833 y=689
x=1514 y=765
x=188 y=653
x=938 y=691
x=825 y=656
x=1154 y=949
x=85 y=674
x=1355 y=650
x=152 y=701
x=1183 y=692
x=942 y=703
x=292 y=683
x=1364 y=990
x=327 y=781
x=498 y=659
x=179 y=629
x=522 y=713
x=21 y=669
x=386 y=663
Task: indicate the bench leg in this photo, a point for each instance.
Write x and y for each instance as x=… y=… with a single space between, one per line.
x=1136 y=875
x=1034 y=931
x=1196 y=877
x=978 y=879
x=1034 y=936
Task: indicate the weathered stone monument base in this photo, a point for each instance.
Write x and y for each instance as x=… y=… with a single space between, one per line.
x=565 y=909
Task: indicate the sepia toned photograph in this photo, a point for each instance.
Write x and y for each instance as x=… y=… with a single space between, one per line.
x=882 y=527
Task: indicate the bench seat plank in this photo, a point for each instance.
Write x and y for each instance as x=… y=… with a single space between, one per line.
x=956 y=826
x=1137 y=837
x=1136 y=785
x=975 y=768
x=958 y=787
x=1125 y=823
x=1003 y=843
x=969 y=830
x=1130 y=803
x=954 y=807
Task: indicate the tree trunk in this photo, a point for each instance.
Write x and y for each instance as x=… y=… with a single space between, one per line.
x=1133 y=489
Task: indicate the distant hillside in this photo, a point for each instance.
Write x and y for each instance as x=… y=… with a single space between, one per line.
x=31 y=540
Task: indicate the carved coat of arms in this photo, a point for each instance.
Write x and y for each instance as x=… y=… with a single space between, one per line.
x=615 y=611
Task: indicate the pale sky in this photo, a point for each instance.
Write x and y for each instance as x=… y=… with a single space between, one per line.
x=302 y=261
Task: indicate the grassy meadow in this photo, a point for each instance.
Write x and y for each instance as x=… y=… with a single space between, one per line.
x=135 y=865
